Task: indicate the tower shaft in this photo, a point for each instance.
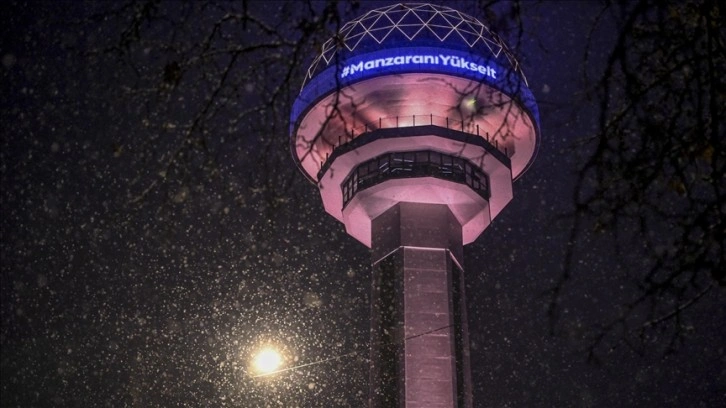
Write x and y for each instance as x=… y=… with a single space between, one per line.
x=419 y=336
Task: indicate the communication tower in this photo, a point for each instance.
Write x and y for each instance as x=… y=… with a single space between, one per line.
x=413 y=122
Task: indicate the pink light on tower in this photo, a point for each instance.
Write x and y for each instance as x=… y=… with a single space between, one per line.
x=413 y=122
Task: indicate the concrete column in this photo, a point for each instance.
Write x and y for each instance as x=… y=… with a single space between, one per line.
x=419 y=340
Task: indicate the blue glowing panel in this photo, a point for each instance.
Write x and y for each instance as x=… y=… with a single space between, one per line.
x=396 y=61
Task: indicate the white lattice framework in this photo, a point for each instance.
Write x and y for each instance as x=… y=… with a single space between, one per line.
x=412 y=20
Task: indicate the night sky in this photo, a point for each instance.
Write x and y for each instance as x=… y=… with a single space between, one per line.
x=155 y=231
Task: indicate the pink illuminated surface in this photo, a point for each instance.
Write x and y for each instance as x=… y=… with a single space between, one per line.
x=430 y=98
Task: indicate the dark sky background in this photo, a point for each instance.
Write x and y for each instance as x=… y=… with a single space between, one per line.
x=142 y=265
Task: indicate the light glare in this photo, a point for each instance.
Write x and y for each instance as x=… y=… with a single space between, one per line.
x=267 y=361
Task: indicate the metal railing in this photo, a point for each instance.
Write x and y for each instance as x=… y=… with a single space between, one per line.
x=393 y=122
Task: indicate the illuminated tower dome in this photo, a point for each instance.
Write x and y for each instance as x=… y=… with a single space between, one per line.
x=413 y=122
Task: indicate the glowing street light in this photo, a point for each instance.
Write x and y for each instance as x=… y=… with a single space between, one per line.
x=267 y=361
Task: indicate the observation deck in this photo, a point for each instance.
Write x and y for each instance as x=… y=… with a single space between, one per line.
x=403 y=80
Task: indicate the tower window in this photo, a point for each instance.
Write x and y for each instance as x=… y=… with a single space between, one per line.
x=422 y=163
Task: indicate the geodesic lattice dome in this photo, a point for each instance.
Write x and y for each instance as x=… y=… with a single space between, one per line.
x=412 y=22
